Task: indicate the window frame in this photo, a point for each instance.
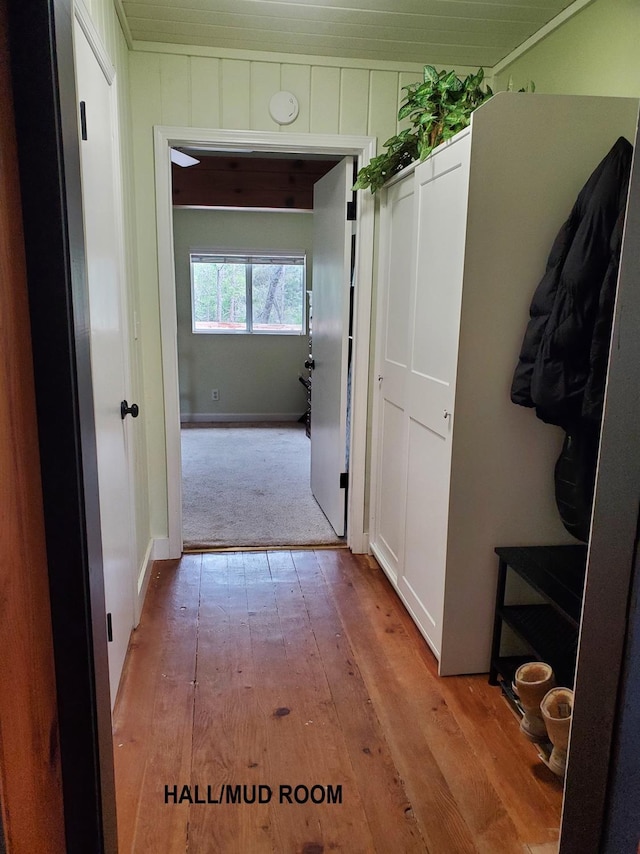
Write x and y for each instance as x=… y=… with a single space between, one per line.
x=252 y=257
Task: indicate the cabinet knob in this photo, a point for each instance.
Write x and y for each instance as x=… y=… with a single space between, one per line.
x=446 y=414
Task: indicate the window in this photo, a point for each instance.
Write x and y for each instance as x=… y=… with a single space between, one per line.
x=248 y=293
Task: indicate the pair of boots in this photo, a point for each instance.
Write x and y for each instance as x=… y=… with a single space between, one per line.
x=547 y=713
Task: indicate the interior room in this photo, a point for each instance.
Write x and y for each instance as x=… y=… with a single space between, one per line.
x=393 y=248
x=245 y=444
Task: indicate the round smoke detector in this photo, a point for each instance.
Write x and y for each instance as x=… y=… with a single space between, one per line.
x=283 y=108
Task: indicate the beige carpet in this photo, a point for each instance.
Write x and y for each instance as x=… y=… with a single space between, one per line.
x=249 y=486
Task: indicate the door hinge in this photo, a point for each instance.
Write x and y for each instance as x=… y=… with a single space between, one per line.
x=109 y=628
x=344 y=479
x=351 y=210
x=83 y=120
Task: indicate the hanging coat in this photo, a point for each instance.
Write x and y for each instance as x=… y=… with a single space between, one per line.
x=566 y=343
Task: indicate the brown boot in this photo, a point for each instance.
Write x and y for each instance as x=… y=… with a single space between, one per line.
x=532 y=681
x=557 y=709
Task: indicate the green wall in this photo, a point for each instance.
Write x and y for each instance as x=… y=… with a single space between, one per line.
x=596 y=52
x=256 y=375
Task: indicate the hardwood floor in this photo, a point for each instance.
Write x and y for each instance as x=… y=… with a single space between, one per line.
x=302 y=669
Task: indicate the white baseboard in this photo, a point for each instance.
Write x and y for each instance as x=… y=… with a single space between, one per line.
x=157 y=549
x=359 y=543
x=144 y=574
x=161 y=548
x=198 y=417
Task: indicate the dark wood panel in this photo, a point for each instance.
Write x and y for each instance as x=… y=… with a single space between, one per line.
x=248 y=182
x=30 y=774
x=46 y=108
x=309 y=670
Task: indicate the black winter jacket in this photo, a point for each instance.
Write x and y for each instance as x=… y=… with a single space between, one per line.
x=562 y=365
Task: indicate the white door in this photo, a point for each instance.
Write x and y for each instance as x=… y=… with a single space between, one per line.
x=108 y=343
x=331 y=286
x=441 y=190
x=396 y=287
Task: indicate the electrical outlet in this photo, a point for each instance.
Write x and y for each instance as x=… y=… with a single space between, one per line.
x=215 y=394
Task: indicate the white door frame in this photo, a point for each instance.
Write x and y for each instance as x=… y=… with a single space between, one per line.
x=361 y=147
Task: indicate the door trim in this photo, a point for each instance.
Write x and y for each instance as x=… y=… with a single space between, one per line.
x=361 y=147
x=96 y=44
x=47 y=131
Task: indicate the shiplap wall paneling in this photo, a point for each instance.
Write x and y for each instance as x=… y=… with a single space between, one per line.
x=175 y=90
x=297 y=79
x=383 y=105
x=236 y=88
x=325 y=100
x=265 y=81
x=354 y=100
x=205 y=92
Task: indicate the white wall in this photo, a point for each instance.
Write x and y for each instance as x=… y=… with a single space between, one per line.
x=189 y=86
x=255 y=374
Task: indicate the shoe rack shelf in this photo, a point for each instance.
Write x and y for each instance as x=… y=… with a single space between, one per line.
x=549 y=628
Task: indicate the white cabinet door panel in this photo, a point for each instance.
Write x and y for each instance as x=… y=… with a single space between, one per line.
x=399 y=272
x=422 y=582
x=391 y=498
x=440 y=211
x=396 y=294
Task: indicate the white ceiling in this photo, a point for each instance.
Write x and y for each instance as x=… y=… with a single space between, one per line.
x=442 y=32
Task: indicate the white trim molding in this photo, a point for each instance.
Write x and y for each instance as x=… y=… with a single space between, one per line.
x=157 y=549
x=363 y=148
x=98 y=47
x=124 y=23
x=142 y=582
x=161 y=549
x=289 y=58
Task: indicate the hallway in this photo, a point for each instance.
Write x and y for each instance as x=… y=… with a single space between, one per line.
x=303 y=669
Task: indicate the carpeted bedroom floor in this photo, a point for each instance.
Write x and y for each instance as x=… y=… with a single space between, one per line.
x=249 y=485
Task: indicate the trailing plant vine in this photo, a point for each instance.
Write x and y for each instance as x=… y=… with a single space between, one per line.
x=438 y=107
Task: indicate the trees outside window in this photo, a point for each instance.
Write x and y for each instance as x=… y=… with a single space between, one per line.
x=233 y=293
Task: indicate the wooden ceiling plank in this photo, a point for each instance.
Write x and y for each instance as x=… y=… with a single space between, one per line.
x=316 y=41
x=439 y=7
x=310 y=16
x=437 y=33
x=443 y=32
x=240 y=181
x=469 y=57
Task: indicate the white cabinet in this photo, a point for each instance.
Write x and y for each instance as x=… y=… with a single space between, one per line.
x=457 y=468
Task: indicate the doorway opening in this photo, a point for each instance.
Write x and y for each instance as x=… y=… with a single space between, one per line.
x=243 y=230
x=356 y=339
x=247 y=485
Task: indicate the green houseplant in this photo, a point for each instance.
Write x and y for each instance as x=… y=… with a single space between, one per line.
x=438 y=107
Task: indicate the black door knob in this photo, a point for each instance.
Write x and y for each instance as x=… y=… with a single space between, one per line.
x=132 y=410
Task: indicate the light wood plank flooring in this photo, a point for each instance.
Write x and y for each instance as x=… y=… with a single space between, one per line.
x=302 y=669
